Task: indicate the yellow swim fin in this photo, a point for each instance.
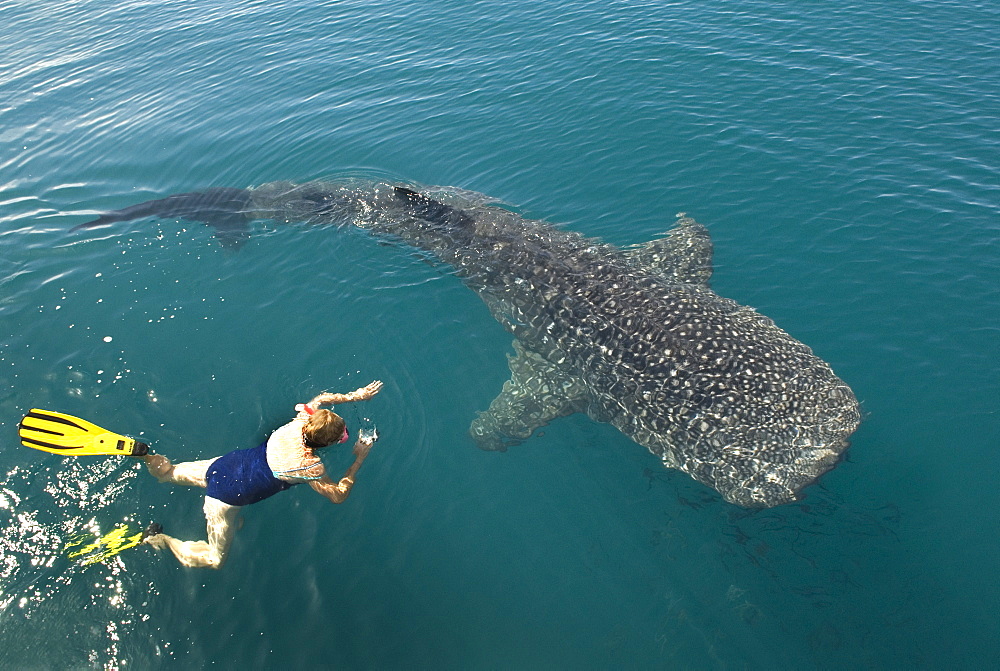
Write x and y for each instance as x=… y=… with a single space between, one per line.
x=90 y=549
x=71 y=436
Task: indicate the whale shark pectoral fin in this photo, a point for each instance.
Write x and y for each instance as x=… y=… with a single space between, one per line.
x=536 y=393
x=684 y=254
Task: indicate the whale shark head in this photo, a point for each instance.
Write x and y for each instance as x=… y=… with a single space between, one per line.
x=761 y=432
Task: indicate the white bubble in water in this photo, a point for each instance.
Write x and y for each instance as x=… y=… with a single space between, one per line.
x=107 y=338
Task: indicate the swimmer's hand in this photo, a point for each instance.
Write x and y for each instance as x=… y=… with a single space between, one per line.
x=362 y=448
x=359 y=394
x=366 y=392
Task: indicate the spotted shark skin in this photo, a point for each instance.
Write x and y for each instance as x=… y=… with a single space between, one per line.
x=632 y=337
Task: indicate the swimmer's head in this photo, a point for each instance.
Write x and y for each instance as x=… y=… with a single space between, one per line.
x=324 y=428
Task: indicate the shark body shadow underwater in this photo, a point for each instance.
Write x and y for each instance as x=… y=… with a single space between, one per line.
x=632 y=337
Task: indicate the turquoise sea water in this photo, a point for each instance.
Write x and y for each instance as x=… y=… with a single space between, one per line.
x=845 y=156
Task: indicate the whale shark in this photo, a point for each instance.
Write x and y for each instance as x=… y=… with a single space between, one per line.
x=634 y=337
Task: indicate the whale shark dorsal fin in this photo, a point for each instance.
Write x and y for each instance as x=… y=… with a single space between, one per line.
x=683 y=255
x=536 y=393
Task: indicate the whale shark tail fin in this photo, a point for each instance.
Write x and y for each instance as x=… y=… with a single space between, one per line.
x=226 y=210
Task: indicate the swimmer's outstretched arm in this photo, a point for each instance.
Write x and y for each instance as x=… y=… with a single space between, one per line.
x=360 y=394
x=337 y=492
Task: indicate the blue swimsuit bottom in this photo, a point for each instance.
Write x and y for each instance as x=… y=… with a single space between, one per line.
x=243 y=477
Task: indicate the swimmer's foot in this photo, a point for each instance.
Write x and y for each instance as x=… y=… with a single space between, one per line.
x=154 y=536
x=158 y=466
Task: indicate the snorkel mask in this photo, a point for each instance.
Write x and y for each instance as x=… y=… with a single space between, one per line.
x=316 y=446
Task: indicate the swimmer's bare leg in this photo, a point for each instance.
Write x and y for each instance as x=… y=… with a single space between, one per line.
x=191 y=473
x=220 y=518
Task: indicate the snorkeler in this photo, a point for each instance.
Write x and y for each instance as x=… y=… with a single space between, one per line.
x=242 y=477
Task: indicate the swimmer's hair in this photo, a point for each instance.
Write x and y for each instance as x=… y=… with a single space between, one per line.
x=323 y=427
